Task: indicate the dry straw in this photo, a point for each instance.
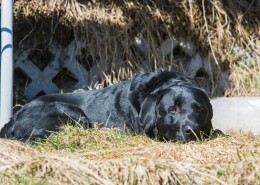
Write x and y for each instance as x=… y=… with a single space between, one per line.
x=108 y=156
x=109 y=29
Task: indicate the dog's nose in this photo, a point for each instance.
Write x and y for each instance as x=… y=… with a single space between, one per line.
x=188 y=131
x=191 y=132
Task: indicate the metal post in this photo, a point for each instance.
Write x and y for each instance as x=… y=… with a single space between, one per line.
x=6 y=96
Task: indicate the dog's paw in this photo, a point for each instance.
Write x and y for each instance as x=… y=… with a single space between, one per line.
x=217 y=132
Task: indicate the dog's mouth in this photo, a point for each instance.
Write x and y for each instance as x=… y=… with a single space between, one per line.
x=175 y=140
x=175 y=137
x=170 y=137
x=164 y=133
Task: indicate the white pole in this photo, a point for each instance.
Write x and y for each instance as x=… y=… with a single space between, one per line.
x=6 y=95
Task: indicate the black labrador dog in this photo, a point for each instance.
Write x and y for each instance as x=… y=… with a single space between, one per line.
x=164 y=105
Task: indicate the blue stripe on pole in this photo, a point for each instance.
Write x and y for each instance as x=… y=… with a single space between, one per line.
x=4 y=29
x=6 y=47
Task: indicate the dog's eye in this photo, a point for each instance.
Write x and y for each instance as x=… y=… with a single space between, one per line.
x=177 y=103
x=173 y=108
x=199 y=109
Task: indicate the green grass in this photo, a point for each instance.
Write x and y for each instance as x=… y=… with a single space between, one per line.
x=30 y=180
x=78 y=139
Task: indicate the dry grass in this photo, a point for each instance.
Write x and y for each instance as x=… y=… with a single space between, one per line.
x=107 y=30
x=246 y=80
x=108 y=156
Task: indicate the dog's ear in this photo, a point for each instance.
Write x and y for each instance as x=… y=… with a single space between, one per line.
x=138 y=91
x=148 y=113
x=208 y=129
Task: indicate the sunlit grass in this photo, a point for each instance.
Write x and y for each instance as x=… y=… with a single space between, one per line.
x=78 y=139
x=110 y=156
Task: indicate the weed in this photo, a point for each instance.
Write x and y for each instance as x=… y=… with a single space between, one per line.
x=220 y=172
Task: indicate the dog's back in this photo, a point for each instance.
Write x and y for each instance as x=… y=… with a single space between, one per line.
x=44 y=114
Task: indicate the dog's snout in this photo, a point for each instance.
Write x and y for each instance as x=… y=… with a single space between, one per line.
x=190 y=132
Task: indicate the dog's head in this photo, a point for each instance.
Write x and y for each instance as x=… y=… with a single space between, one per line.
x=173 y=108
